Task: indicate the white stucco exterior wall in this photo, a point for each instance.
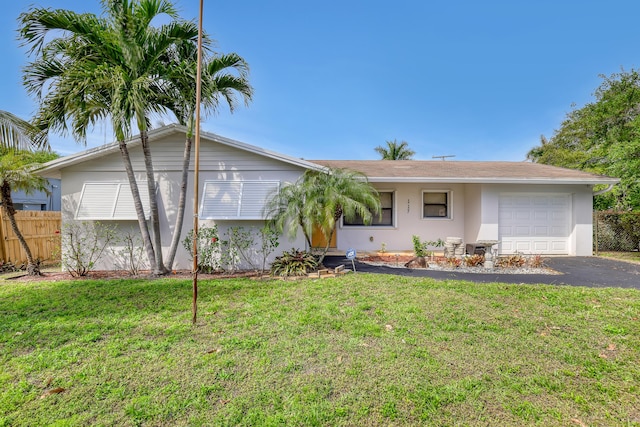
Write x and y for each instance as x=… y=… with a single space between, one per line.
x=217 y=163
x=475 y=216
x=408 y=220
x=580 y=236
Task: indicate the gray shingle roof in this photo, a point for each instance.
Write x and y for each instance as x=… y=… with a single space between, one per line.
x=465 y=172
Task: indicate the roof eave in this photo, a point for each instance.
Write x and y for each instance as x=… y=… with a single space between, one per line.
x=52 y=169
x=557 y=181
x=263 y=152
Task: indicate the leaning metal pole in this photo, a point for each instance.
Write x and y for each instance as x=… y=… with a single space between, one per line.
x=196 y=171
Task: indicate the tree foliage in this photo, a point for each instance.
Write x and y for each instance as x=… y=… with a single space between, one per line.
x=17 y=173
x=123 y=68
x=18 y=134
x=395 y=151
x=320 y=199
x=602 y=137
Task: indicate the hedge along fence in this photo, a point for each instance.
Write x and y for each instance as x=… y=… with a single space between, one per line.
x=41 y=230
x=616 y=231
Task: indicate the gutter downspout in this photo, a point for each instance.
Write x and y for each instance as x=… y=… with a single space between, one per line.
x=605 y=190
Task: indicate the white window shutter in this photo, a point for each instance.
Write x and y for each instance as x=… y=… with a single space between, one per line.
x=110 y=201
x=236 y=199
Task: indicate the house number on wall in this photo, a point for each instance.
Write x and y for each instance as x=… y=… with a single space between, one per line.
x=408 y=204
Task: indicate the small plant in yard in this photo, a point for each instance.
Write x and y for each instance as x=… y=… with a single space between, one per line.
x=421 y=249
x=130 y=256
x=453 y=262
x=511 y=261
x=235 y=248
x=240 y=245
x=383 y=248
x=537 y=261
x=7 y=266
x=269 y=238
x=208 y=248
x=294 y=263
x=84 y=242
x=475 y=260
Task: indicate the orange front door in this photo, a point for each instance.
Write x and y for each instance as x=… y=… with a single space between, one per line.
x=318 y=240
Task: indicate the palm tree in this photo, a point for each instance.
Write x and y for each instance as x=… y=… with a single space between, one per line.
x=288 y=211
x=395 y=151
x=106 y=67
x=223 y=76
x=320 y=198
x=16 y=173
x=340 y=192
x=18 y=134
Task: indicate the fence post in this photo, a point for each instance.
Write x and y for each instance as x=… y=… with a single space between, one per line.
x=3 y=242
x=595 y=229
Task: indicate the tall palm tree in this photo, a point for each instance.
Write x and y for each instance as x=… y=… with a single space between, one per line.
x=106 y=67
x=223 y=76
x=395 y=151
x=16 y=173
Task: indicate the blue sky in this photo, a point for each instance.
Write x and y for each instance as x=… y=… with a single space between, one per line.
x=334 y=79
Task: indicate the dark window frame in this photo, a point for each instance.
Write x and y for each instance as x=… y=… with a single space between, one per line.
x=437 y=209
x=375 y=221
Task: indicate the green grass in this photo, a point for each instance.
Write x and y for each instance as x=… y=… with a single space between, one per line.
x=360 y=350
x=622 y=256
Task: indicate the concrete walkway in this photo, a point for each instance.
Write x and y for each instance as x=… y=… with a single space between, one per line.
x=575 y=271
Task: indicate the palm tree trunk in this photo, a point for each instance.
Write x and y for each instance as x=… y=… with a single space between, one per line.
x=307 y=236
x=7 y=203
x=177 y=230
x=326 y=248
x=153 y=204
x=142 y=222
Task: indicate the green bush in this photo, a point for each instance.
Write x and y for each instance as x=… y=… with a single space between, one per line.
x=618 y=231
x=294 y=263
x=209 y=253
x=421 y=249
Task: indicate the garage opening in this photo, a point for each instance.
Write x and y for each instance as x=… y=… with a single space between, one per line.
x=535 y=223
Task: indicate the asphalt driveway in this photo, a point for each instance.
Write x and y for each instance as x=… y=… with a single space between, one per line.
x=574 y=271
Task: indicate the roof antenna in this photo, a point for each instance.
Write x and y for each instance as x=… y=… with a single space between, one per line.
x=443 y=157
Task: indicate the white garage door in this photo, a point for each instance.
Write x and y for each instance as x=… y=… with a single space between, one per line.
x=535 y=223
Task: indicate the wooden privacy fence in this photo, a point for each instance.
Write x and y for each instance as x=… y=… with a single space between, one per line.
x=41 y=230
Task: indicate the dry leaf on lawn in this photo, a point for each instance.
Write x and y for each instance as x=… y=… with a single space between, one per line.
x=56 y=390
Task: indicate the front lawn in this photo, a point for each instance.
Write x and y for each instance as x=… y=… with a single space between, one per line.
x=354 y=350
x=622 y=256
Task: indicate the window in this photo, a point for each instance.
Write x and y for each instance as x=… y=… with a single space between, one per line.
x=386 y=211
x=436 y=204
x=111 y=201
x=236 y=199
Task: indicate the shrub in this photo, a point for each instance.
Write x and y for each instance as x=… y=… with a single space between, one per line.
x=238 y=245
x=235 y=248
x=536 y=261
x=453 y=262
x=421 y=249
x=208 y=248
x=131 y=256
x=511 y=261
x=269 y=242
x=294 y=263
x=83 y=244
x=474 y=260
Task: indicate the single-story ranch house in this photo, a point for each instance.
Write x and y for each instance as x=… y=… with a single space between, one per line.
x=527 y=207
